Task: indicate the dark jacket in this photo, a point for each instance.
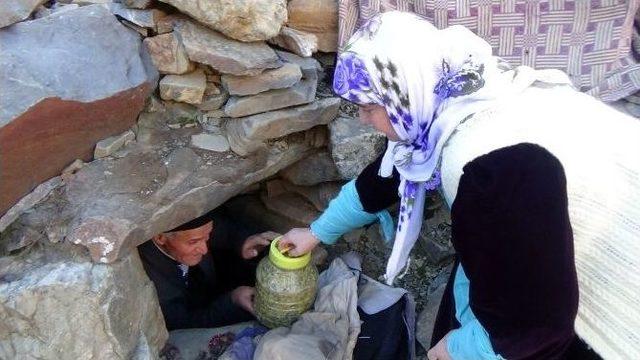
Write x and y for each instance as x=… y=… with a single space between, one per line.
x=201 y=299
x=559 y=289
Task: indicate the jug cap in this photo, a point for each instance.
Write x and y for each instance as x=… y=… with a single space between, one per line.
x=285 y=262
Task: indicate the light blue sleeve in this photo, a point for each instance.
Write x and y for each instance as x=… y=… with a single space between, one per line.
x=471 y=340
x=346 y=213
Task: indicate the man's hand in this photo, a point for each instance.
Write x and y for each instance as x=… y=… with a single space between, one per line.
x=255 y=243
x=439 y=352
x=302 y=240
x=243 y=297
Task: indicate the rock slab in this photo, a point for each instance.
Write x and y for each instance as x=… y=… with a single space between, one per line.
x=279 y=78
x=61 y=94
x=247 y=135
x=353 y=146
x=303 y=92
x=115 y=203
x=56 y=304
x=209 y=47
x=244 y=20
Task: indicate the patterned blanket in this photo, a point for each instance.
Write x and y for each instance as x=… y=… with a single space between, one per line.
x=592 y=41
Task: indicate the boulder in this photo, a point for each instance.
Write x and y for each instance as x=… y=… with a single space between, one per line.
x=56 y=304
x=168 y=54
x=187 y=88
x=57 y=104
x=296 y=41
x=312 y=170
x=209 y=47
x=354 y=146
x=283 y=77
x=248 y=134
x=13 y=11
x=319 y=17
x=113 y=204
x=244 y=20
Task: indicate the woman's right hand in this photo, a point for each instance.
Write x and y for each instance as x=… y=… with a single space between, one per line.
x=300 y=240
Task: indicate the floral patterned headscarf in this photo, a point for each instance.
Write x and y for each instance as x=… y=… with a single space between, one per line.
x=427 y=80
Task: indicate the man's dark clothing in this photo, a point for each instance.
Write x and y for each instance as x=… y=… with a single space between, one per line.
x=202 y=299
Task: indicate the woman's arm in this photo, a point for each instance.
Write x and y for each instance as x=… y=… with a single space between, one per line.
x=360 y=202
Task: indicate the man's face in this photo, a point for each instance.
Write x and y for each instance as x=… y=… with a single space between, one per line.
x=187 y=246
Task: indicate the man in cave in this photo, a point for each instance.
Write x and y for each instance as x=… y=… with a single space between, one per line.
x=204 y=271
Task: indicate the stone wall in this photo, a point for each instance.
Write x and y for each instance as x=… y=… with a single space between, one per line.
x=124 y=119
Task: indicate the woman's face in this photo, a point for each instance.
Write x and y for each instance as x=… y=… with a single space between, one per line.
x=376 y=116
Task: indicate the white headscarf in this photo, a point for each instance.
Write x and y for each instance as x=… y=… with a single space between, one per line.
x=428 y=80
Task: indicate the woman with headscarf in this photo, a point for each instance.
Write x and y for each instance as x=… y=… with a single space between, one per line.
x=514 y=288
x=417 y=94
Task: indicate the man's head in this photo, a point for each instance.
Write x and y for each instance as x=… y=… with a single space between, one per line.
x=188 y=242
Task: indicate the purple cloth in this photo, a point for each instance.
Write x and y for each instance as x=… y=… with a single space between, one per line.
x=243 y=347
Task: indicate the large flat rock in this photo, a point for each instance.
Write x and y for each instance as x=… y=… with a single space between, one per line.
x=303 y=92
x=279 y=78
x=209 y=47
x=244 y=20
x=62 y=90
x=56 y=304
x=247 y=135
x=116 y=203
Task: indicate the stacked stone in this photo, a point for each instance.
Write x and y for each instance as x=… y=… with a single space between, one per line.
x=122 y=119
x=247 y=96
x=223 y=68
x=119 y=158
